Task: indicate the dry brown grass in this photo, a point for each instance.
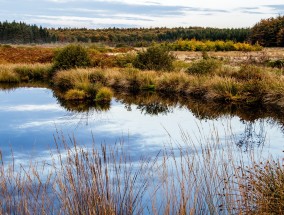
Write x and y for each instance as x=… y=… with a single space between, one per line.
x=235 y=57
x=28 y=55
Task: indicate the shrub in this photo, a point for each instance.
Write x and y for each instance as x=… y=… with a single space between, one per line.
x=248 y=72
x=276 y=63
x=71 y=56
x=204 y=66
x=154 y=58
x=104 y=94
x=75 y=94
x=125 y=60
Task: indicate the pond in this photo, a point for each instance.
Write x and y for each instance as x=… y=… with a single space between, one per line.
x=32 y=117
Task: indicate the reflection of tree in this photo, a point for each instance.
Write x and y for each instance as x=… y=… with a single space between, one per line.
x=155 y=108
x=251 y=136
x=148 y=103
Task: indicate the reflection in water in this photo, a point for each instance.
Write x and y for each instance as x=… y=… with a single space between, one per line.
x=32 y=118
x=165 y=109
x=251 y=136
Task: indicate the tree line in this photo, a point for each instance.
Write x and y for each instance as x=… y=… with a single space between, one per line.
x=268 y=32
x=22 y=33
x=145 y=36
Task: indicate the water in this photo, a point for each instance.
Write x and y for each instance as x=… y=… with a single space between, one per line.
x=32 y=117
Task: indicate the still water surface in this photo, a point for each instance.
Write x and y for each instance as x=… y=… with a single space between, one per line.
x=32 y=117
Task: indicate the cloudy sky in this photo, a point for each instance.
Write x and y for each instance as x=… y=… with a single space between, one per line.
x=140 y=13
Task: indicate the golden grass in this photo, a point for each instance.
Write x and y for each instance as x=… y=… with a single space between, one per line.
x=8 y=76
x=75 y=94
x=249 y=84
x=104 y=94
x=26 y=72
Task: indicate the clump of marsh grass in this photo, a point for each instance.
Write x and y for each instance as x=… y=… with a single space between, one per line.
x=262 y=187
x=75 y=94
x=223 y=89
x=104 y=94
x=8 y=76
x=35 y=72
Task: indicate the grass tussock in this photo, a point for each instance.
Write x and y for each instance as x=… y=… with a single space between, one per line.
x=104 y=94
x=75 y=94
x=8 y=76
x=249 y=84
x=262 y=187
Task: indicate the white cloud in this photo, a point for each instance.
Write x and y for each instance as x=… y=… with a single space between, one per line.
x=24 y=108
x=141 y=13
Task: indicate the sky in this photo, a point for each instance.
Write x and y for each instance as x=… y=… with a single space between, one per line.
x=140 y=13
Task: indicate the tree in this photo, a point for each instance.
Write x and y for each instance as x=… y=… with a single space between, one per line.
x=71 y=56
x=154 y=58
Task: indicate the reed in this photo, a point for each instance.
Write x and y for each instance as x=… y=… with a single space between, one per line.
x=199 y=175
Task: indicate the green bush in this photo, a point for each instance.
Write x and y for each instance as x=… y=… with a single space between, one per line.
x=125 y=60
x=154 y=58
x=276 y=63
x=204 y=66
x=72 y=56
